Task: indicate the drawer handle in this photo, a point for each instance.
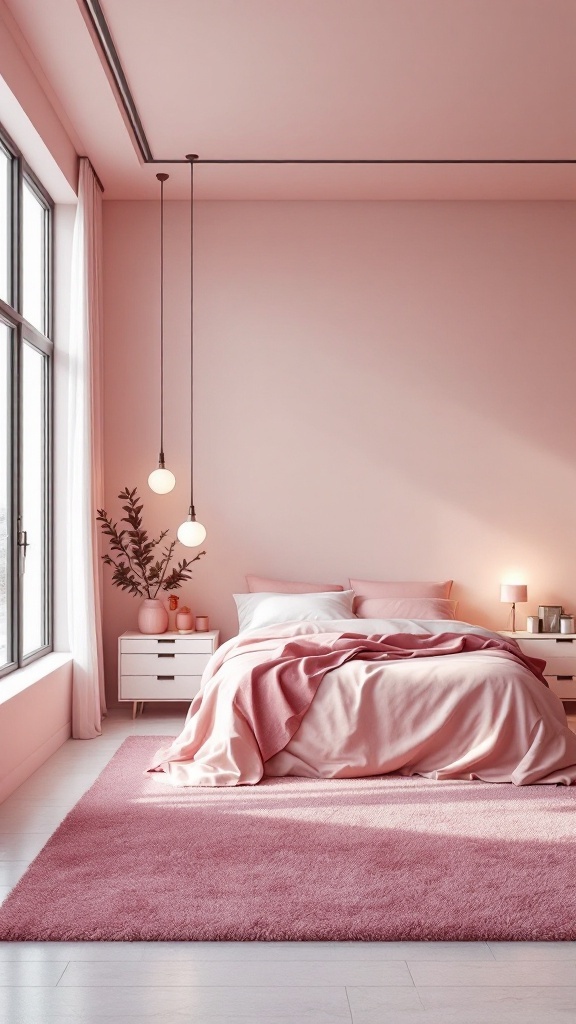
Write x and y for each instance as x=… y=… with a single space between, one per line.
x=164 y=677
x=565 y=640
x=166 y=655
x=564 y=677
x=166 y=641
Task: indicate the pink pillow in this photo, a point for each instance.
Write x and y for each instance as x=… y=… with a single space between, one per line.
x=262 y=585
x=374 y=588
x=404 y=608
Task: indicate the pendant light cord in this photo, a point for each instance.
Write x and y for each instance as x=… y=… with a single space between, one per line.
x=162 y=321
x=162 y=178
x=191 y=158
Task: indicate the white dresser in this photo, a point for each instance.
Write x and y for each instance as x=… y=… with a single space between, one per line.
x=559 y=652
x=162 y=666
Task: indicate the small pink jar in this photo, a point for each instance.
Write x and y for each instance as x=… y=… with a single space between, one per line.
x=184 y=620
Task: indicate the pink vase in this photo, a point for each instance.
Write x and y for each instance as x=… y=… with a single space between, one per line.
x=152 y=616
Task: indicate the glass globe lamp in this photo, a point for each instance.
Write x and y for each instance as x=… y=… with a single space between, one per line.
x=161 y=480
x=190 y=533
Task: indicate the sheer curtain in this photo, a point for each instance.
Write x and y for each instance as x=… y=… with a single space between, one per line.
x=85 y=465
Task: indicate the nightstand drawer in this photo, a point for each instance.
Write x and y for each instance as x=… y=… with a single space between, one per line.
x=548 y=648
x=166 y=645
x=163 y=663
x=559 y=654
x=564 y=688
x=142 y=688
x=556 y=666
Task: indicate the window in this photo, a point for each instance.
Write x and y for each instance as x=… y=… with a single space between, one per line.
x=5 y=495
x=5 y=216
x=26 y=350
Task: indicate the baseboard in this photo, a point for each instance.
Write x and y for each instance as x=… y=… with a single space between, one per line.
x=34 y=760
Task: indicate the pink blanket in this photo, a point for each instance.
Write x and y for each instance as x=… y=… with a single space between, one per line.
x=258 y=690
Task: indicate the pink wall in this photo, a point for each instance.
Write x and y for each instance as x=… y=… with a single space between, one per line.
x=32 y=114
x=34 y=719
x=383 y=389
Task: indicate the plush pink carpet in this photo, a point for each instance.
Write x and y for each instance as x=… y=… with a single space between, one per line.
x=385 y=858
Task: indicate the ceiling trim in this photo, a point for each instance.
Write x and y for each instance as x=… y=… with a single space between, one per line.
x=104 y=36
x=351 y=160
x=99 y=24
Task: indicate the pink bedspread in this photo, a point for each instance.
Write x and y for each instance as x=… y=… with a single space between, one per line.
x=484 y=710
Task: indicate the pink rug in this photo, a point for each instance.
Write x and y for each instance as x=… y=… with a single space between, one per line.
x=384 y=858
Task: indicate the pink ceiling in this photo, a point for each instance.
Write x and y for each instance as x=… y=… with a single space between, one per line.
x=390 y=79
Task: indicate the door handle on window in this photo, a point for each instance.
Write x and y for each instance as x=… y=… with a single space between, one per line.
x=23 y=544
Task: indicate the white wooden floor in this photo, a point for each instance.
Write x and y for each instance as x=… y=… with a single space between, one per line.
x=260 y=983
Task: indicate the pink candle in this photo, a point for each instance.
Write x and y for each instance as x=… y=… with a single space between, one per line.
x=202 y=625
x=184 y=620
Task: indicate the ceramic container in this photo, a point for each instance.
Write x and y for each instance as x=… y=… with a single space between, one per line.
x=152 y=616
x=184 y=620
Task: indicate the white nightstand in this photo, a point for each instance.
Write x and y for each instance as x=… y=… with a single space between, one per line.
x=559 y=652
x=162 y=666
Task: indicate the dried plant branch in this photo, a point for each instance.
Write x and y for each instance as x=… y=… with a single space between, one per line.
x=136 y=568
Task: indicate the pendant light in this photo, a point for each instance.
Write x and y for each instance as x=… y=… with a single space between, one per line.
x=190 y=532
x=161 y=480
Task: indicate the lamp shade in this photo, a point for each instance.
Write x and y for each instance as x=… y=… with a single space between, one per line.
x=513 y=592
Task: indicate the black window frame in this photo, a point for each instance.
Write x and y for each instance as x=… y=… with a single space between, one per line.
x=25 y=333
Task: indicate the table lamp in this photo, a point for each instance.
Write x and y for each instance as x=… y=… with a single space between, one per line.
x=510 y=593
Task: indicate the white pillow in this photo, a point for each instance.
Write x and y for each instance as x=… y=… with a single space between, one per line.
x=256 y=610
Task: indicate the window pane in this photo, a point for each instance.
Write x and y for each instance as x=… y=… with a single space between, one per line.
x=34 y=455
x=6 y=655
x=33 y=259
x=25 y=412
x=5 y=166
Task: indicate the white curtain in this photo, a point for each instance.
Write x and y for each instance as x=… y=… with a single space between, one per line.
x=85 y=465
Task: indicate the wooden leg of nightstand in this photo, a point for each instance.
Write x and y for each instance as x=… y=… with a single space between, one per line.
x=134 y=709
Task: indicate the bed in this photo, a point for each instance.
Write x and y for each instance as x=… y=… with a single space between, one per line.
x=328 y=697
